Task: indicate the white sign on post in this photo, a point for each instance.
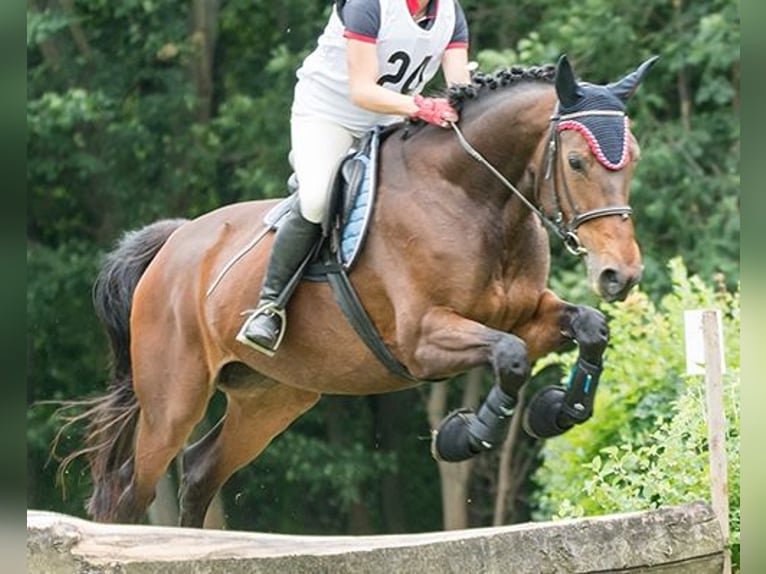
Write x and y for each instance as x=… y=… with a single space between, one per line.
x=695 y=342
x=704 y=356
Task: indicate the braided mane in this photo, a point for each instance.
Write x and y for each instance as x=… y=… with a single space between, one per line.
x=483 y=84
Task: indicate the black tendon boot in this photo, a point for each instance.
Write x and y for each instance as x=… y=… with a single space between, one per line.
x=295 y=237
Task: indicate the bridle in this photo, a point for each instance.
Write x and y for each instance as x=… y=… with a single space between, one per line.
x=566 y=231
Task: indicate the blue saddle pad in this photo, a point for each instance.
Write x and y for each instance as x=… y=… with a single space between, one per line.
x=350 y=207
x=357 y=215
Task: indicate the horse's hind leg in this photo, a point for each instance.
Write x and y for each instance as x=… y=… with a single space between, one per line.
x=172 y=403
x=254 y=416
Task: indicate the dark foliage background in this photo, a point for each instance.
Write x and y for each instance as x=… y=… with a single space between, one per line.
x=138 y=110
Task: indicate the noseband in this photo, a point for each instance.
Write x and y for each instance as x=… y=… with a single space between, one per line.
x=566 y=231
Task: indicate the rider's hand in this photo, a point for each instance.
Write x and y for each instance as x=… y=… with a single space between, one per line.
x=436 y=111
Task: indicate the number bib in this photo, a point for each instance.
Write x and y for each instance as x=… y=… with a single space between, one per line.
x=408 y=57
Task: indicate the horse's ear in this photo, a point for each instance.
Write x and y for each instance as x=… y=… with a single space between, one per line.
x=566 y=84
x=627 y=86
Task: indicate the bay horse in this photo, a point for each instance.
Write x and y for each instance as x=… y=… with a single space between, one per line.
x=453 y=275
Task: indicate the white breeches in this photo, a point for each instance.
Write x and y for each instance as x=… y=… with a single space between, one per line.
x=318 y=145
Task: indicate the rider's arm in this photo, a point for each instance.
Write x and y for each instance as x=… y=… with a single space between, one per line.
x=455 y=66
x=362 y=61
x=455 y=58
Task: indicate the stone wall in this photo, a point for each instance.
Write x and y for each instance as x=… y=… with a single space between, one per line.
x=682 y=539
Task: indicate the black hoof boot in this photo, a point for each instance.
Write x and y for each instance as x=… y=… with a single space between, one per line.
x=463 y=434
x=452 y=441
x=542 y=416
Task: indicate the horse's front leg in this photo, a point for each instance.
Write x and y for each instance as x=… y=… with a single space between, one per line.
x=554 y=410
x=449 y=343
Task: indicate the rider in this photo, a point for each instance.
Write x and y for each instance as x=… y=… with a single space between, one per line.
x=371 y=62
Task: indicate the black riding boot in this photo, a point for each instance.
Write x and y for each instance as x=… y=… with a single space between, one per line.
x=295 y=238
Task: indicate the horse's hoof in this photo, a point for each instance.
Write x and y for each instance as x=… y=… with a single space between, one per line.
x=451 y=442
x=541 y=416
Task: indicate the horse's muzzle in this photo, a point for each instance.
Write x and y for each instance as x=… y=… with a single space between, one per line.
x=614 y=284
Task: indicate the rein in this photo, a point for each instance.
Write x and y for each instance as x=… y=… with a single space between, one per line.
x=566 y=232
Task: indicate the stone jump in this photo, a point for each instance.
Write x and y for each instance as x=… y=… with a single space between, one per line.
x=683 y=539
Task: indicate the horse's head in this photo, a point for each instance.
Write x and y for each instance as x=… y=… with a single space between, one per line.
x=588 y=163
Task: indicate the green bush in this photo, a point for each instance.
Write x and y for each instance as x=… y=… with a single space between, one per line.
x=646 y=445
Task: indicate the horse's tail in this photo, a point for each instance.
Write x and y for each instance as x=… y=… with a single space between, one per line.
x=115 y=284
x=111 y=418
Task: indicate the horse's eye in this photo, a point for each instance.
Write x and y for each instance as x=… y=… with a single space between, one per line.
x=576 y=162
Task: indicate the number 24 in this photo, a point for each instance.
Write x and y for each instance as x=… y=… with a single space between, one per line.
x=413 y=80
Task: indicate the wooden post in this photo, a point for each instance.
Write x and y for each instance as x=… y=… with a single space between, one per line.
x=716 y=419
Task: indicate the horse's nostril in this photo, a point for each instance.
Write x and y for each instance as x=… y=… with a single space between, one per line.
x=611 y=282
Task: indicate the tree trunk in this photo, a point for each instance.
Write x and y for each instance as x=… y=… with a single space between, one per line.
x=47 y=47
x=682 y=81
x=455 y=477
x=358 y=517
x=164 y=510
x=506 y=471
x=390 y=410
x=204 y=33
x=78 y=35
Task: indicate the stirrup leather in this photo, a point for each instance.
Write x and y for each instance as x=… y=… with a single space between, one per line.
x=270 y=308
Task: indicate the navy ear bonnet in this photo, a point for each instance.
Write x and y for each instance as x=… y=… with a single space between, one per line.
x=598 y=112
x=607 y=135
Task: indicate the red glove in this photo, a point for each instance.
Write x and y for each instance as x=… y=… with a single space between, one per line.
x=436 y=111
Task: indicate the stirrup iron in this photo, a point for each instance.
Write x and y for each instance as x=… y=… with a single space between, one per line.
x=272 y=309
